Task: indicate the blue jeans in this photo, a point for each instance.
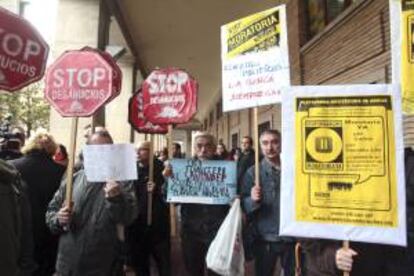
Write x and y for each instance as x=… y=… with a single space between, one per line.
x=267 y=254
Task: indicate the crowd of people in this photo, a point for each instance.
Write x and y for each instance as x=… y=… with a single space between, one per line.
x=104 y=231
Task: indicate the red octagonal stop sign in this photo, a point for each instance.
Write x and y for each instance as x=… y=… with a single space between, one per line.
x=117 y=73
x=78 y=83
x=23 y=52
x=137 y=119
x=169 y=96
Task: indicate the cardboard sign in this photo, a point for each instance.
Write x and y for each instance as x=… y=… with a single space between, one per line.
x=169 y=96
x=206 y=182
x=115 y=162
x=137 y=119
x=255 y=60
x=343 y=170
x=23 y=52
x=78 y=83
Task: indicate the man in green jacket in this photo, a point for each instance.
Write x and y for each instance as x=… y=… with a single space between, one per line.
x=88 y=233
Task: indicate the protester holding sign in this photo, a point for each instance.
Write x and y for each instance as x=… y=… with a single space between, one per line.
x=88 y=231
x=327 y=257
x=200 y=222
x=145 y=240
x=261 y=203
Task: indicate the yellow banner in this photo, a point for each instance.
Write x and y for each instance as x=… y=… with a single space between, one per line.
x=345 y=165
x=254 y=33
x=407 y=56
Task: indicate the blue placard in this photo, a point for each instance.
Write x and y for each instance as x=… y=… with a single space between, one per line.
x=204 y=182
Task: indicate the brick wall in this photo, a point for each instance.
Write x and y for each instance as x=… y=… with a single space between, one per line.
x=355 y=48
x=351 y=48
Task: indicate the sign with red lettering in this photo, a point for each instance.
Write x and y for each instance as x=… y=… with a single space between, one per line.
x=78 y=83
x=255 y=60
x=23 y=52
x=137 y=119
x=169 y=96
x=116 y=73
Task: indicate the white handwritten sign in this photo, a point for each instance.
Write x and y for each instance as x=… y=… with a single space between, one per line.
x=110 y=162
x=205 y=182
x=255 y=60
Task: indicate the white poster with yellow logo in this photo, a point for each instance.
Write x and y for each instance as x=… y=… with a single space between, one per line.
x=342 y=164
x=402 y=44
x=255 y=60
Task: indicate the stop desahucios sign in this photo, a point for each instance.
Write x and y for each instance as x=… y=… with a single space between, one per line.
x=78 y=83
x=169 y=96
x=23 y=52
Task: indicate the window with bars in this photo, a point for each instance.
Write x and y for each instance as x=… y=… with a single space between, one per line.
x=321 y=12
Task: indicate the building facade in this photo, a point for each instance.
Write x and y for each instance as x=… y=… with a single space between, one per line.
x=330 y=42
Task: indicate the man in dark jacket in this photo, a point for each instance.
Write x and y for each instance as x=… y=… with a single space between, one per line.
x=246 y=158
x=16 y=241
x=200 y=222
x=145 y=240
x=42 y=177
x=262 y=205
x=89 y=243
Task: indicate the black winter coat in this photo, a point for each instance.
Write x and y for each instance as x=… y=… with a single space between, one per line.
x=42 y=177
x=245 y=161
x=160 y=227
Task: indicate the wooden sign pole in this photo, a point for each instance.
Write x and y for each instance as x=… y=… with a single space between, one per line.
x=72 y=151
x=150 y=179
x=256 y=147
x=172 y=206
x=345 y=245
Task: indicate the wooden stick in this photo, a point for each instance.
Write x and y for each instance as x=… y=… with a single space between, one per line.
x=150 y=179
x=172 y=206
x=345 y=245
x=170 y=142
x=72 y=151
x=256 y=148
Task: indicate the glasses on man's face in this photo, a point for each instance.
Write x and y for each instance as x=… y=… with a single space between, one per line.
x=202 y=145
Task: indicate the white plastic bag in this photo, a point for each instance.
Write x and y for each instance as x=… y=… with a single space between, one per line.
x=225 y=255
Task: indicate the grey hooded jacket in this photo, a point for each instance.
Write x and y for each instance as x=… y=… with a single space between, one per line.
x=90 y=245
